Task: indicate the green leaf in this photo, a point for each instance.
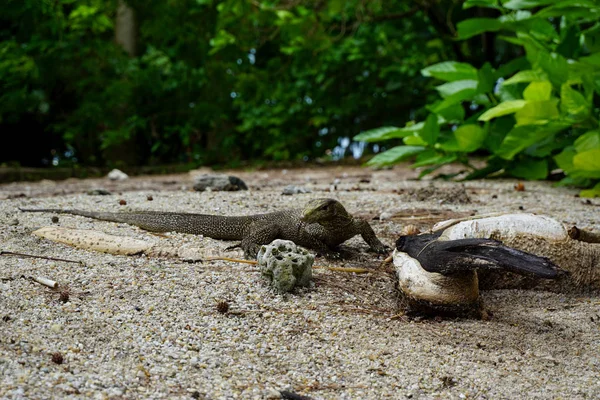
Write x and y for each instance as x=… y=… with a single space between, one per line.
x=475 y=26
x=512 y=39
x=537 y=112
x=335 y=7
x=593 y=192
x=451 y=71
x=481 y=3
x=395 y=154
x=591 y=38
x=497 y=131
x=515 y=65
x=545 y=148
x=450 y=145
x=588 y=161
x=414 y=140
x=588 y=141
x=509 y=92
x=521 y=137
x=582 y=10
x=526 y=76
x=594 y=59
x=524 y=4
x=573 y=103
x=538 y=91
x=284 y=14
x=453 y=113
x=469 y=137
x=456 y=98
x=570 y=45
x=564 y=159
x=519 y=16
x=384 y=133
x=433 y=158
x=530 y=168
x=508 y=107
x=431 y=130
x=582 y=73
x=538 y=29
x=555 y=65
x=486 y=79
x=221 y=40
x=450 y=88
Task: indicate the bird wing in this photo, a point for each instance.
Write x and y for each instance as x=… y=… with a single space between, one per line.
x=468 y=254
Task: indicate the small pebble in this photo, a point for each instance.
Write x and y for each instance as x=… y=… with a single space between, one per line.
x=98 y=192
x=57 y=358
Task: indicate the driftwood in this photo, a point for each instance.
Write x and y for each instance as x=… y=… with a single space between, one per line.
x=119 y=245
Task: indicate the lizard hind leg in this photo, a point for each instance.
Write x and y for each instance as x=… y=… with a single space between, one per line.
x=258 y=236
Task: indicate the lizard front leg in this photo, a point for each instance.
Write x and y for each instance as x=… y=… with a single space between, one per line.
x=369 y=236
x=320 y=247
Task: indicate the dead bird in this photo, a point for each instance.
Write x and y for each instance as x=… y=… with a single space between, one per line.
x=439 y=276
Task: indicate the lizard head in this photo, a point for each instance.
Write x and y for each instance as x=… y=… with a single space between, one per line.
x=324 y=211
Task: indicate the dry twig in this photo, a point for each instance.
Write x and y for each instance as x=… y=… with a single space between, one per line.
x=11 y=253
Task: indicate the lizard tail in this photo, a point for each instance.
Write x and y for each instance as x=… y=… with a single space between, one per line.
x=106 y=216
x=213 y=226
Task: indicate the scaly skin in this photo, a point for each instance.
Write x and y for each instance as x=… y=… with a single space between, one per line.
x=322 y=225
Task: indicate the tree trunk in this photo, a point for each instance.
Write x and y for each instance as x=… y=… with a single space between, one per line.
x=125 y=28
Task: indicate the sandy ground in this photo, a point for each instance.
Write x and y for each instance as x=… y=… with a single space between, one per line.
x=138 y=327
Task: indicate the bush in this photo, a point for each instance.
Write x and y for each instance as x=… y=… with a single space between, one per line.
x=533 y=114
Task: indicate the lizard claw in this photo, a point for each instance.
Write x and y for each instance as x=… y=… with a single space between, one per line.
x=383 y=249
x=251 y=251
x=332 y=255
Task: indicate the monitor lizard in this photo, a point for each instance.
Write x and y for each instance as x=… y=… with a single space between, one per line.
x=321 y=225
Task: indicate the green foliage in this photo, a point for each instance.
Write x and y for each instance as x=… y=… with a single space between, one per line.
x=530 y=115
x=212 y=80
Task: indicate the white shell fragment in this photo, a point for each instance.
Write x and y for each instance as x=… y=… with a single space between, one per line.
x=435 y=288
x=506 y=227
